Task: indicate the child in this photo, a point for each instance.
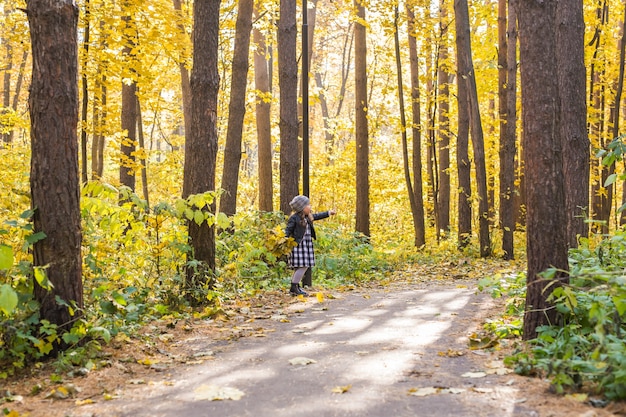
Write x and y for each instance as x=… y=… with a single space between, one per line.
x=300 y=227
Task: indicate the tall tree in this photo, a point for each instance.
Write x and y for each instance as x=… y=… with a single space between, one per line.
x=361 y=126
x=467 y=75
x=236 y=108
x=201 y=143
x=507 y=72
x=288 y=85
x=443 y=131
x=54 y=179
x=184 y=72
x=546 y=243
x=416 y=130
x=262 y=85
x=129 y=101
x=570 y=55
x=85 y=95
x=463 y=161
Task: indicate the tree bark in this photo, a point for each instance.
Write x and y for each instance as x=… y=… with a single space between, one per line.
x=507 y=74
x=184 y=76
x=201 y=144
x=54 y=178
x=462 y=160
x=361 y=125
x=546 y=244
x=129 y=105
x=263 y=121
x=85 y=96
x=466 y=74
x=236 y=108
x=443 y=131
x=570 y=55
x=288 y=85
x=416 y=130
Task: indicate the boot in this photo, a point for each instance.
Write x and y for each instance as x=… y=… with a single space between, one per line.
x=296 y=290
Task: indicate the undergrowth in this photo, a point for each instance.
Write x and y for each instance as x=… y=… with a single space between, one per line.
x=587 y=352
x=134 y=263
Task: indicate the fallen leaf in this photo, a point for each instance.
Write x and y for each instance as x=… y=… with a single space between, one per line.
x=474 y=375
x=320 y=297
x=423 y=392
x=215 y=393
x=482 y=390
x=341 y=390
x=452 y=390
x=581 y=398
x=301 y=361
x=84 y=402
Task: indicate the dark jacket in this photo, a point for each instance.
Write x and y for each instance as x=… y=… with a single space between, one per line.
x=296 y=230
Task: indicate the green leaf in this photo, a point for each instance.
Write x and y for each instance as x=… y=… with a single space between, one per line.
x=42 y=278
x=198 y=217
x=610 y=180
x=620 y=304
x=35 y=237
x=119 y=298
x=6 y=257
x=223 y=222
x=8 y=299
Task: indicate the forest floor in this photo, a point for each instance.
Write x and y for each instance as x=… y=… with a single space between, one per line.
x=398 y=349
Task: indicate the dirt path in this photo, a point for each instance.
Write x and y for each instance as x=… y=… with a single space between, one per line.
x=389 y=351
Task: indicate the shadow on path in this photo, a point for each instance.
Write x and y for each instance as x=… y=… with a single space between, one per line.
x=378 y=346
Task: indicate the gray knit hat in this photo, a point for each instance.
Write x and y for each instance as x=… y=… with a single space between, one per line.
x=299 y=202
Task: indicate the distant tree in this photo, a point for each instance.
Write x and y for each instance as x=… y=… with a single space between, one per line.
x=85 y=96
x=262 y=84
x=201 y=143
x=361 y=125
x=129 y=102
x=443 y=118
x=507 y=71
x=546 y=243
x=54 y=178
x=416 y=129
x=236 y=108
x=288 y=85
x=468 y=76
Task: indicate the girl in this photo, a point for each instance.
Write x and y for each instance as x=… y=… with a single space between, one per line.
x=300 y=227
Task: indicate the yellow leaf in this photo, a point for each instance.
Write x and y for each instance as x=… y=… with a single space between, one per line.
x=341 y=390
x=320 y=297
x=84 y=402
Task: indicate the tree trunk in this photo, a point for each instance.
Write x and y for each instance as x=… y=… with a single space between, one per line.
x=6 y=137
x=466 y=73
x=129 y=106
x=54 y=179
x=570 y=54
x=263 y=121
x=418 y=214
x=288 y=85
x=596 y=128
x=184 y=76
x=85 y=96
x=443 y=132
x=403 y=129
x=546 y=244
x=462 y=159
x=361 y=125
x=143 y=161
x=201 y=143
x=236 y=108
x=507 y=74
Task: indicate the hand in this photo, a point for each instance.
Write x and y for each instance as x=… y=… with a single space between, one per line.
x=332 y=212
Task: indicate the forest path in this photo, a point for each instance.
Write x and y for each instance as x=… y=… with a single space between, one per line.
x=398 y=350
